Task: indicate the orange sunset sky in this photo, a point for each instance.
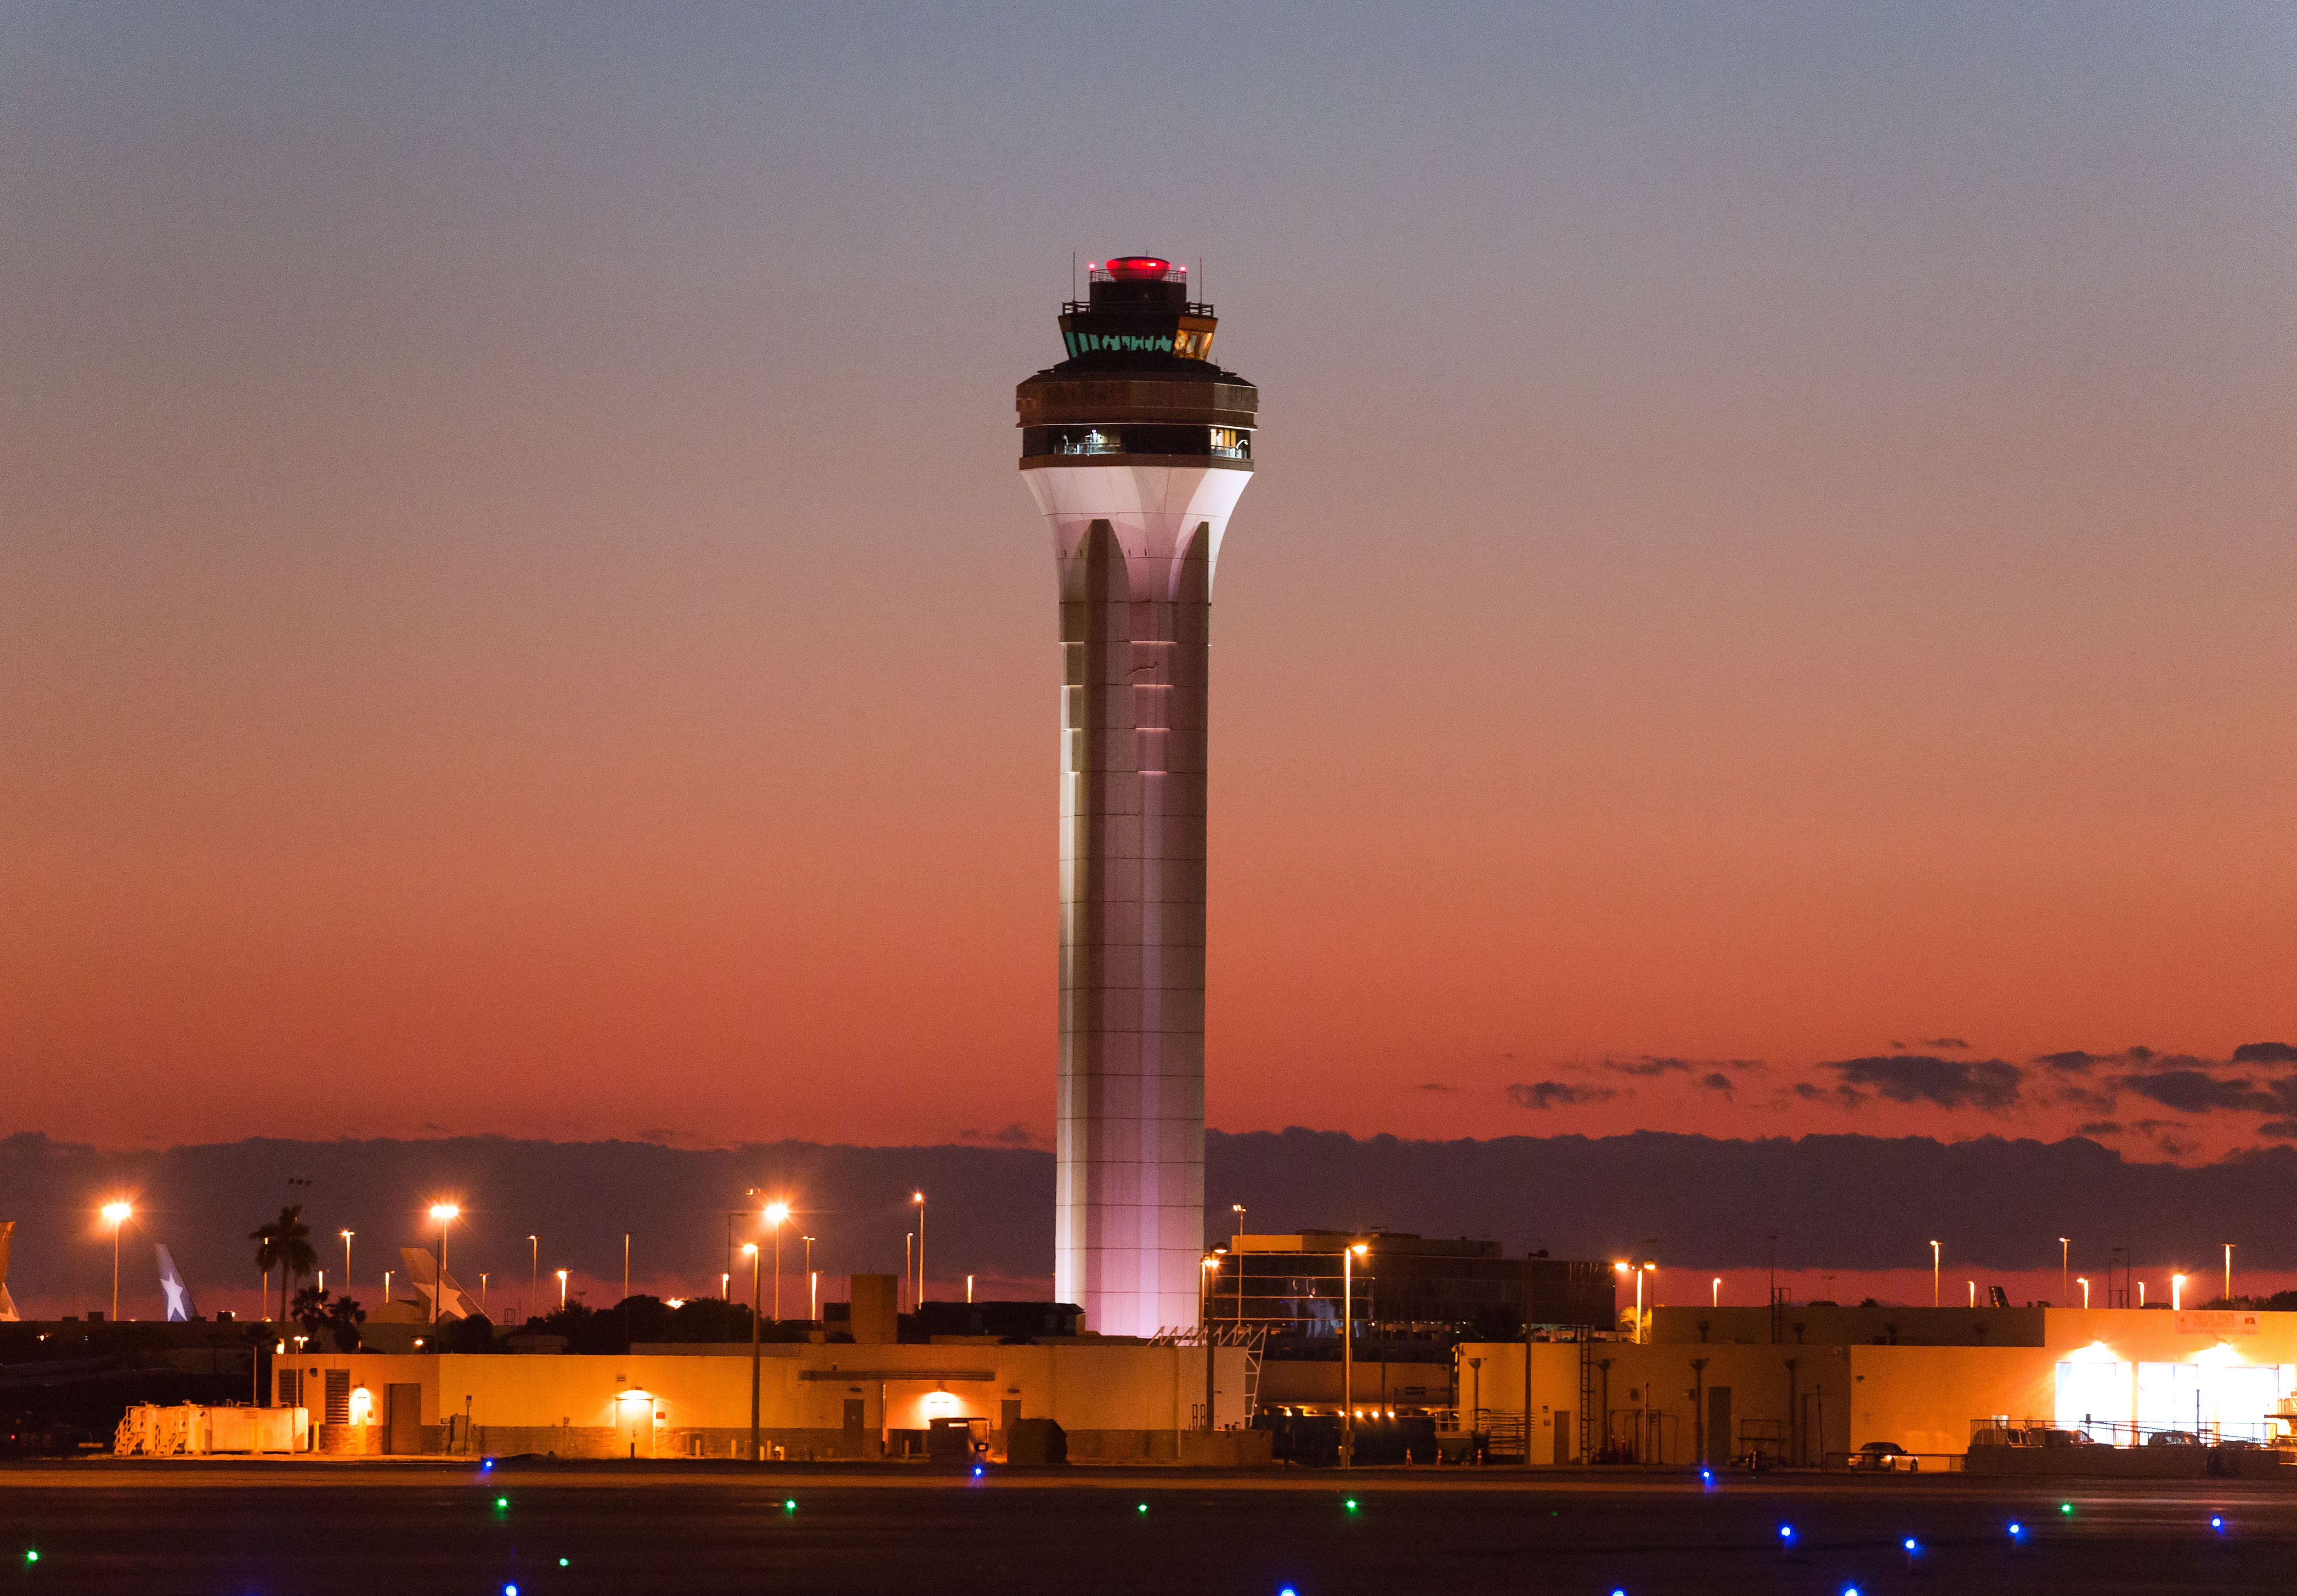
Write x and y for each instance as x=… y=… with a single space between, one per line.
x=1772 y=546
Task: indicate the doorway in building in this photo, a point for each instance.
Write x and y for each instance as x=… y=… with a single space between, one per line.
x=406 y=1420
x=1562 y=1437
x=1719 y=1425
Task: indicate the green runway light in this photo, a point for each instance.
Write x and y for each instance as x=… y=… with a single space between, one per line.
x=562 y=1562
x=501 y=1502
x=2065 y=1507
x=32 y=1556
x=789 y=1504
x=1352 y=1504
x=1144 y=1507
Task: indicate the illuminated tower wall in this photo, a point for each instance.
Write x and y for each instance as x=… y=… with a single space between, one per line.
x=1136 y=448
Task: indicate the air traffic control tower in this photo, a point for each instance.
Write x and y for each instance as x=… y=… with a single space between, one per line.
x=1136 y=448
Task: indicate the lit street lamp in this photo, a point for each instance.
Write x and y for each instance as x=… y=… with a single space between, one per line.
x=2065 y=1270
x=2177 y=1294
x=1347 y=1353
x=446 y=1214
x=776 y=1212
x=1934 y=1274
x=918 y=1197
x=1718 y=1291
x=346 y=1262
x=2228 y=1247
x=533 y=1272
x=1205 y=1327
x=812 y=1284
x=2083 y=1281
x=1236 y=1251
x=117 y=1213
x=562 y=1289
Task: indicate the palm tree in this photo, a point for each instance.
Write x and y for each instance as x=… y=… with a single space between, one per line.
x=284 y=1244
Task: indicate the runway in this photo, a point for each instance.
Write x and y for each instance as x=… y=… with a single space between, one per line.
x=282 y=1526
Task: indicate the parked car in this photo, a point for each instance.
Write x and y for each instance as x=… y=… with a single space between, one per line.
x=2041 y=1438
x=1877 y=1456
x=2173 y=1438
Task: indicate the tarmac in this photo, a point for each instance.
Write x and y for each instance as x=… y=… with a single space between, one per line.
x=540 y=1526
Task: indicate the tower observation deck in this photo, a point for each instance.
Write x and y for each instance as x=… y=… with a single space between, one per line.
x=1136 y=448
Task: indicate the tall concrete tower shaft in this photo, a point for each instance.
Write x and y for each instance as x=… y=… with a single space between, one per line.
x=1136 y=448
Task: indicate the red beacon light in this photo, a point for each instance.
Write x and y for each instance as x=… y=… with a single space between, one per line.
x=1139 y=269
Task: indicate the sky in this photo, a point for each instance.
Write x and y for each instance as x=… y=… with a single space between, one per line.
x=1763 y=608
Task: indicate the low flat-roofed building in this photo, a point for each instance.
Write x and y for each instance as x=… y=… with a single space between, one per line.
x=2119 y=1377
x=1116 y=1402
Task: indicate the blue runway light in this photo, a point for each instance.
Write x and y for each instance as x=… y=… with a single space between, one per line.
x=2217 y=1523
x=2016 y=1530
x=510 y=1591
x=1910 y=1543
x=1786 y=1532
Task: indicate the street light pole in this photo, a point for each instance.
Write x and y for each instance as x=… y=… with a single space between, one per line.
x=346 y=1262
x=1236 y=1251
x=2065 y=1271
x=2228 y=1247
x=776 y=1212
x=117 y=1213
x=918 y=1197
x=2084 y=1283
x=1205 y=1330
x=812 y=1303
x=752 y=1249
x=533 y=1272
x=445 y=1213
x=562 y=1291
x=1934 y=1274
x=1348 y=1353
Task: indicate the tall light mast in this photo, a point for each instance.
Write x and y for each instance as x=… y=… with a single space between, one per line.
x=1136 y=448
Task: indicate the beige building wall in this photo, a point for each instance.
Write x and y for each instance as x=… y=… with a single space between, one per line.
x=1114 y=1400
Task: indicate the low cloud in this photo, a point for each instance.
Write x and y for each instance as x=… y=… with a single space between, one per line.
x=1717 y=1082
x=2075 y=1061
x=1990 y=1085
x=2280 y=1130
x=2265 y=1052
x=1947 y=1044
x=1434 y=1086
x=1014 y=1135
x=2101 y=1127
x=1650 y=1066
x=1555 y=1094
x=2196 y=1091
x=1645 y=1066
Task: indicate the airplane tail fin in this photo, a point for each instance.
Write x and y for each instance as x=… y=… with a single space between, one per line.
x=171 y=1283
x=422 y=1273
